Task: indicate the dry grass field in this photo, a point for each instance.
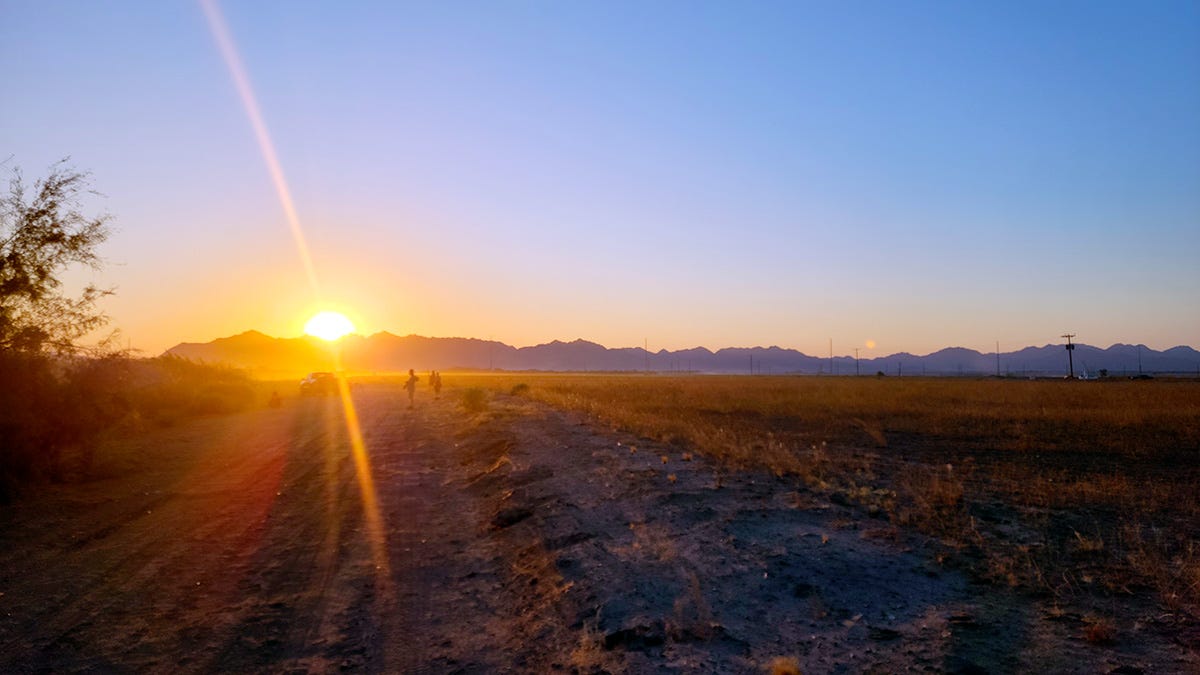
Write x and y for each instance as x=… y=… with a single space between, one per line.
x=1082 y=492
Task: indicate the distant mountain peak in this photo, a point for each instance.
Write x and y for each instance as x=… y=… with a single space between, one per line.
x=386 y=352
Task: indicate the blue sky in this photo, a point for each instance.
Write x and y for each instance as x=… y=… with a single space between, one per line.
x=718 y=174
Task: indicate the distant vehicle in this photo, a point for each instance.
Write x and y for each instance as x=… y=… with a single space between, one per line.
x=318 y=384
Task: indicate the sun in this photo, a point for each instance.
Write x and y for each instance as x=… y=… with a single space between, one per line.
x=328 y=326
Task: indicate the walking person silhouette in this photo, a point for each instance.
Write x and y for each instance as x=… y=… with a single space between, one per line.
x=411 y=386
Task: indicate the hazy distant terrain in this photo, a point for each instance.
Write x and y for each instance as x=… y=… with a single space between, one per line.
x=384 y=352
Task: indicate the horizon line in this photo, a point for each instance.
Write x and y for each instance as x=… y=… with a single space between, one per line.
x=664 y=350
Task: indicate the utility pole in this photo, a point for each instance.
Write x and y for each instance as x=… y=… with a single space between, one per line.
x=1070 y=354
x=997 y=358
x=856 y=371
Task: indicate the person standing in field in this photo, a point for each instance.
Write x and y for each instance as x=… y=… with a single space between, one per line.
x=437 y=384
x=411 y=386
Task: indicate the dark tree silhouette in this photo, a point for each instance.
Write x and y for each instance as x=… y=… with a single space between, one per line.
x=42 y=234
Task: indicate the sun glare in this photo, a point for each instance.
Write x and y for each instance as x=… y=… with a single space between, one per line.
x=328 y=326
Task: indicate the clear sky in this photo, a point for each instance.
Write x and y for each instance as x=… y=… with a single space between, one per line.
x=916 y=174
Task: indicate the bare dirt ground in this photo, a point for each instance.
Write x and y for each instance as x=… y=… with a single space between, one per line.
x=520 y=539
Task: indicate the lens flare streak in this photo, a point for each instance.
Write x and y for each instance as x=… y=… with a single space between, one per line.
x=366 y=485
x=241 y=80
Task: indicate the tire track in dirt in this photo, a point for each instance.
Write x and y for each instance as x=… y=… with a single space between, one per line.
x=313 y=582
x=443 y=614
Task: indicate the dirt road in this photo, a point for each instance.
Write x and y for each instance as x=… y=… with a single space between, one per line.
x=516 y=540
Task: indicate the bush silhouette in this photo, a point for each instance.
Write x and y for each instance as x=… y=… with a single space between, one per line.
x=55 y=411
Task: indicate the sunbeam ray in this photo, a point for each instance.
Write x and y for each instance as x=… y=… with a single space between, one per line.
x=241 y=80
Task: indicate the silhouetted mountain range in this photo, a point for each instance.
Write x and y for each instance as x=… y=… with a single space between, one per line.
x=384 y=352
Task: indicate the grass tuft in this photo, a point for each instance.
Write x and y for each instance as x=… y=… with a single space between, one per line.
x=475 y=400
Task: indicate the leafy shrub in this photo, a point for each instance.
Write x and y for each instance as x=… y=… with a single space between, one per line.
x=520 y=389
x=25 y=432
x=51 y=411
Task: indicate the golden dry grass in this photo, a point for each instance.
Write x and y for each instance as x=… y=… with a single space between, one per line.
x=1098 y=476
